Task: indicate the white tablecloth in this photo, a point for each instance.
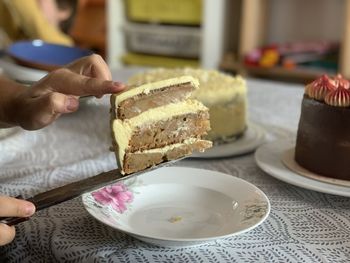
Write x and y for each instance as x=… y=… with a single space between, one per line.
x=303 y=226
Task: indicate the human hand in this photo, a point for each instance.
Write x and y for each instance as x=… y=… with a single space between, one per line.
x=12 y=207
x=59 y=92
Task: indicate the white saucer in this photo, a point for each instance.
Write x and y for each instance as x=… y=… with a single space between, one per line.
x=7 y=132
x=269 y=158
x=19 y=73
x=251 y=139
x=26 y=76
x=178 y=206
x=289 y=161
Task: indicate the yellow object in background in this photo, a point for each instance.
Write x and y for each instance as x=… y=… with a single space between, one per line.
x=186 y=12
x=23 y=19
x=158 y=61
x=269 y=58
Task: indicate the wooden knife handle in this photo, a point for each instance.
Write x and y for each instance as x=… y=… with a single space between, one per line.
x=11 y=221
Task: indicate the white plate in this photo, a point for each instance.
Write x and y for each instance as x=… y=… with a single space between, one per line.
x=20 y=73
x=268 y=157
x=289 y=161
x=26 y=76
x=251 y=139
x=178 y=206
x=7 y=132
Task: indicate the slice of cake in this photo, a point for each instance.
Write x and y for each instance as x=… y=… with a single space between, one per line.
x=224 y=95
x=323 y=138
x=157 y=122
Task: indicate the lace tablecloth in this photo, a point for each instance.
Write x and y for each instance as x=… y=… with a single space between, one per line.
x=303 y=226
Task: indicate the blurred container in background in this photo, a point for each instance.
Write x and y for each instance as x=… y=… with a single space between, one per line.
x=164 y=40
x=180 y=12
x=163 y=33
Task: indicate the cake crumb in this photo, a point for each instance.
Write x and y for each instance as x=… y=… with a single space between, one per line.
x=175 y=219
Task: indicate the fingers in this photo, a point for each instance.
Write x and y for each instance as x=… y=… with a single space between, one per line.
x=84 y=77
x=49 y=107
x=10 y=206
x=65 y=81
x=56 y=103
x=58 y=92
x=92 y=66
x=43 y=110
x=7 y=234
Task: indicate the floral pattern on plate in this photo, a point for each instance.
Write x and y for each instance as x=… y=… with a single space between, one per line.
x=113 y=200
x=117 y=196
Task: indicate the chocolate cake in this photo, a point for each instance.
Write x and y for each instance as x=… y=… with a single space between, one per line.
x=157 y=122
x=323 y=138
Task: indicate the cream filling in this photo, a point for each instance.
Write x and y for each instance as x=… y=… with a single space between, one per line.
x=170 y=147
x=123 y=130
x=147 y=88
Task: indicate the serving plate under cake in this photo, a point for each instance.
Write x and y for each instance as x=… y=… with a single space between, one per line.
x=248 y=142
x=269 y=157
x=179 y=206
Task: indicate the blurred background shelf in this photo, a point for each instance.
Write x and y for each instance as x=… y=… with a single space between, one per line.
x=300 y=75
x=214 y=32
x=264 y=22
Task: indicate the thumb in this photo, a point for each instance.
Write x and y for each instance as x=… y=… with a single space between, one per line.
x=67 y=82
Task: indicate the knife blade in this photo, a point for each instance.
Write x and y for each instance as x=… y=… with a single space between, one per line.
x=75 y=189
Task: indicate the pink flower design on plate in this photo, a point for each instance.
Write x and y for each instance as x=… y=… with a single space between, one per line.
x=116 y=195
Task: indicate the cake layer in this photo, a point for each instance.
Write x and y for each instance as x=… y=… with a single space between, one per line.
x=143 y=159
x=137 y=104
x=160 y=126
x=173 y=130
x=323 y=139
x=160 y=133
x=146 y=88
x=224 y=95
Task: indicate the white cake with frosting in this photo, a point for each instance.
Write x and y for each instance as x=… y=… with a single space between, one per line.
x=224 y=95
x=157 y=122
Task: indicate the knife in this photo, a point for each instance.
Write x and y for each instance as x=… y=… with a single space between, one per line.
x=75 y=189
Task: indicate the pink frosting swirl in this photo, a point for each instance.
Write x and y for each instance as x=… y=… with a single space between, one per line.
x=339 y=80
x=339 y=97
x=320 y=87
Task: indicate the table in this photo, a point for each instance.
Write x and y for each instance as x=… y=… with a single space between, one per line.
x=303 y=226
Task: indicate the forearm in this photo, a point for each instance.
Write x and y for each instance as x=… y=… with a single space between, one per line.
x=9 y=91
